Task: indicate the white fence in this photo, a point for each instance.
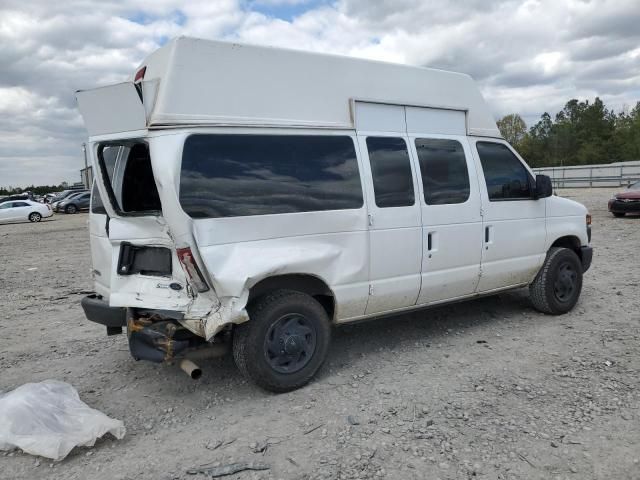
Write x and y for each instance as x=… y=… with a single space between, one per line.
x=609 y=175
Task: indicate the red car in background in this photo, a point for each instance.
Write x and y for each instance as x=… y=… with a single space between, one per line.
x=627 y=201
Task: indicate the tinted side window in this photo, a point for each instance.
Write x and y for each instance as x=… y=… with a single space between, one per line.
x=238 y=175
x=20 y=204
x=445 y=178
x=391 y=172
x=505 y=176
x=96 y=201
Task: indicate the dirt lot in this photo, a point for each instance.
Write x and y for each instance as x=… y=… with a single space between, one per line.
x=487 y=389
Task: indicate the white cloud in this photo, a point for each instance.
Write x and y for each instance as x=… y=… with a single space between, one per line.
x=528 y=56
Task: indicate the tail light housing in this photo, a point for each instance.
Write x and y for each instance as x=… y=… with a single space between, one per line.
x=588 y=219
x=140 y=75
x=185 y=256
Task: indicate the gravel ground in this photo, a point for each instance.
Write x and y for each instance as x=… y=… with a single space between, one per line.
x=488 y=388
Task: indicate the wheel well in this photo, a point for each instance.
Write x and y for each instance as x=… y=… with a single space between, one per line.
x=570 y=242
x=304 y=283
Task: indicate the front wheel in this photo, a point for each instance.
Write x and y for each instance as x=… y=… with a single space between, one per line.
x=71 y=209
x=284 y=343
x=35 y=217
x=557 y=286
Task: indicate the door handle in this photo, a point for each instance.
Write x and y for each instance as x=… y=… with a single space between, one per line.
x=431 y=247
x=487 y=236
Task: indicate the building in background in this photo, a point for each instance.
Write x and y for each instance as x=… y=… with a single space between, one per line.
x=86 y=177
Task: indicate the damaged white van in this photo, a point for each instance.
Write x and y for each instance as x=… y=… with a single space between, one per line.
x=260 y=196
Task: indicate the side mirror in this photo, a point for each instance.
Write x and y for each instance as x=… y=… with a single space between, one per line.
x=544 y=188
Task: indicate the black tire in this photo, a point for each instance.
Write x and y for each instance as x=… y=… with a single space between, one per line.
x=35 y=217
x=71 y=209
x=284 y=319
x=557 y=286
x=618 y=214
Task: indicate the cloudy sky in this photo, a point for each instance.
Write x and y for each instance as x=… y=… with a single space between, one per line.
x=528 y=56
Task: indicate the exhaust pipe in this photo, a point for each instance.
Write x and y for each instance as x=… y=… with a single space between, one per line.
x=191 y=369
x=213 y=350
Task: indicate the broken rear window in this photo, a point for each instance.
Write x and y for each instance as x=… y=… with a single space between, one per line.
x=131 y=185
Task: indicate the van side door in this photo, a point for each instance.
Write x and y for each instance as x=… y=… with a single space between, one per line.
x=451 y=221
x=514 y=226
x=395 y=237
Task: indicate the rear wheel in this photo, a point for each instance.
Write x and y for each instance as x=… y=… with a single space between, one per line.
x=618 y=214
x=557 y=286
x=35 y=217
x=71 y=209
x=284 y=343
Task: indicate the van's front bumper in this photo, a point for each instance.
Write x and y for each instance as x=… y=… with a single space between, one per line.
x=97 y=310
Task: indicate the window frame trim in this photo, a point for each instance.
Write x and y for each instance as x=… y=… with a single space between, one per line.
x=530 y=175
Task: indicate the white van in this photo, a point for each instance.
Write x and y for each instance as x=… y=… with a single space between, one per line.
x=259 y=196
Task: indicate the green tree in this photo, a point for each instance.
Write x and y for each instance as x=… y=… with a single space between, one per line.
x=512 y=128
x=583 y=132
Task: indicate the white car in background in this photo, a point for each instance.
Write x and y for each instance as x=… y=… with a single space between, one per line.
x=23 y=210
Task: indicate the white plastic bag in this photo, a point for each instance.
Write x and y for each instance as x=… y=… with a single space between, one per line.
x=49 y=419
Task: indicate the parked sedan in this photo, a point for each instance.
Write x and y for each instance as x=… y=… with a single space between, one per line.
x=55 y=204
x=23 y=210
x=74 y=203
x=627 y=201
x=64 y=195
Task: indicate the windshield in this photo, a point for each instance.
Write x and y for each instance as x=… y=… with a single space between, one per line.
x=634 y=186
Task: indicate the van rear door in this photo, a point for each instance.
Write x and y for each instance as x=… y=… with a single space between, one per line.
x=144 y=270
x=100 y=246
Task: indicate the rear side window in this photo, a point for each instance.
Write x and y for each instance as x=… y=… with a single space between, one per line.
x=240 y=175
x=506 y=177
x=131 y=185
x=445 y=178
x=96 y=202
x=20 y=204
x=391 y=172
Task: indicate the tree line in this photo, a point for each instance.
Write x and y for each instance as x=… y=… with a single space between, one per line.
x=581 y=133
x=36 y=190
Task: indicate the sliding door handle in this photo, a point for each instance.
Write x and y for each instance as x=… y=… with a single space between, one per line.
x=429 y=242
x=488 y=236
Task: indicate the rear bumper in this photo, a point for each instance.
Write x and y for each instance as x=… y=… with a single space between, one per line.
x=97 y=310
x=586 y=255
